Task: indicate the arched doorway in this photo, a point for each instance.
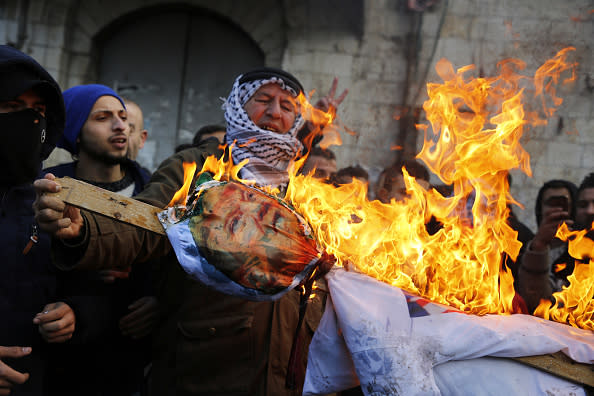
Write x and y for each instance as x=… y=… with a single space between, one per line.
x=176 y=64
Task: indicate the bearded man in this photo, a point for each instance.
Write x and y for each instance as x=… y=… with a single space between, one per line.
x=117 y=310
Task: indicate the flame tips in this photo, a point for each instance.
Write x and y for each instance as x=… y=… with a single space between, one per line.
x=181 y=196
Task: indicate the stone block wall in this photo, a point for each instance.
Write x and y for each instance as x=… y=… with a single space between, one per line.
x=367 y=44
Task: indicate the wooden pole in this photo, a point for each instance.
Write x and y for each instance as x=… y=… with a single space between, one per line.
x=561 y=365
x=128 y=210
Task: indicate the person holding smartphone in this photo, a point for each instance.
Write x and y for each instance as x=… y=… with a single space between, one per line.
x=537 y=277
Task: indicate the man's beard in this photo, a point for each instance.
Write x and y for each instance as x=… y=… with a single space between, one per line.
x=101 y=156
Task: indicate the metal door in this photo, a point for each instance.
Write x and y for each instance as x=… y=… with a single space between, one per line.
x=175 y=64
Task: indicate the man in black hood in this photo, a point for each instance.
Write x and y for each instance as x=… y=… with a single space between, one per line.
x=31 y=121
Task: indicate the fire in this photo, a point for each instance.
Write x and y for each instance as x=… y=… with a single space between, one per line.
x=220 y=169
x=181 y=195
x=321 y=123
x=223 y=170
x=472 y=142
x=574 y=304
x=547 y=77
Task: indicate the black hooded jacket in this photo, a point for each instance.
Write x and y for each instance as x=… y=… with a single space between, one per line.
x=27 y=282
x=18 y=73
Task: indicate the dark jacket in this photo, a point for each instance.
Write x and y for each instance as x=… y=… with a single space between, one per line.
x=139 y=174
x=27 y=282
x=209 y=343
x=99 y=360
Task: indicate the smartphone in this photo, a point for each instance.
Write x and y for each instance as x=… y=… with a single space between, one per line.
x=558 y=201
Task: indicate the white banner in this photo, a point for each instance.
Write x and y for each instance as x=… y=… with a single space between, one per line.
x=367 y=334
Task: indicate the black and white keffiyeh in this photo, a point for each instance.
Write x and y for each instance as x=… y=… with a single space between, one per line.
x=269 y=153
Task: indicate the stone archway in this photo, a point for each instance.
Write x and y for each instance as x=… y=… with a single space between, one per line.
x=84 y=20
x=176 y=64
x=175 y=60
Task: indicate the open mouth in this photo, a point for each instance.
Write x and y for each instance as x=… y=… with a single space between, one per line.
x=269 y=128
x=119 y=142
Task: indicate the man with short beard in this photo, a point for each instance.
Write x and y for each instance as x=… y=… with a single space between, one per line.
x=120 y=309
x=97 y=134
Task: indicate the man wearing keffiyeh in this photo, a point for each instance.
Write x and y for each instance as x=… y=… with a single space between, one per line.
x=209 y=342
x=263 y=118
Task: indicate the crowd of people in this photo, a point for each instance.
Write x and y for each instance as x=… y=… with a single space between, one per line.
x=93 y=306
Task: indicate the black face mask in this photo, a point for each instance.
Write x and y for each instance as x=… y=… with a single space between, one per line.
x=23 y=133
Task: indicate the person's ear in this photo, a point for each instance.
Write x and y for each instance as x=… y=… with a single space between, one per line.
x=143 y=136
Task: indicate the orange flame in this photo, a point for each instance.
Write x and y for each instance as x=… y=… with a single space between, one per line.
x=574 y=304
x=181 y=196
x=547 y=77
x=472 y=142
x=321 y=123
x=224 y=170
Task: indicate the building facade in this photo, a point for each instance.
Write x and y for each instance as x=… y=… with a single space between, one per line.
x=177 y=58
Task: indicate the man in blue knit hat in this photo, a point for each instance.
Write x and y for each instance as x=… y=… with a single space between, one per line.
x=120 y=308
x=97 y=134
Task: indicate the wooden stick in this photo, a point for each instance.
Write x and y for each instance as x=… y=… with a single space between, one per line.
x=562 y=366
x=86 y=196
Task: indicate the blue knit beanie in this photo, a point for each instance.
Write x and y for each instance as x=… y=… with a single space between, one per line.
x=79 y=101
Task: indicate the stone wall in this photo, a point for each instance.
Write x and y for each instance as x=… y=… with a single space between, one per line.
x=379 y=50
x=483 y=32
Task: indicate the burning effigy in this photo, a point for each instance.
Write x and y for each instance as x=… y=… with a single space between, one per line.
x=474 y=139
x=370 y=334
x=242 y=241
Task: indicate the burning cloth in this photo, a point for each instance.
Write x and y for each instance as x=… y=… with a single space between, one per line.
x=241 y=241
x=393 y=344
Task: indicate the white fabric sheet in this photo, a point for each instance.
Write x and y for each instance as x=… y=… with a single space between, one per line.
x=367 y=334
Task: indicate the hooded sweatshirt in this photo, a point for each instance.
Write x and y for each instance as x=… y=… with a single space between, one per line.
x=27 y=282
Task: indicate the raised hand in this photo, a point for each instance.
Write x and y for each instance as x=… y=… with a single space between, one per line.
x=329 y=100
x=552 y=218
